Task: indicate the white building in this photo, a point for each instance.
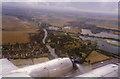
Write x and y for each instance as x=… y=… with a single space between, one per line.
x=53 y=28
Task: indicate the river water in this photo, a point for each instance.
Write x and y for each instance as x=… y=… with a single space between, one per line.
x=101 y=34
x=102 y=44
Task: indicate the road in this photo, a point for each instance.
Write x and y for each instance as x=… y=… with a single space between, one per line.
x=51 y=50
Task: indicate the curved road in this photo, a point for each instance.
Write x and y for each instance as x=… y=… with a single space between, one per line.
x=51 y=50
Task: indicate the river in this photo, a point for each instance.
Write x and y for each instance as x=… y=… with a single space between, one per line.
x=101 y=34
x=51 y=50
x=102 y=44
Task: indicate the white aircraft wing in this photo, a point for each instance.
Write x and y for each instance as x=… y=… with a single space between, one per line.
x=110 y=70
x=15 y=74
x=6 y=68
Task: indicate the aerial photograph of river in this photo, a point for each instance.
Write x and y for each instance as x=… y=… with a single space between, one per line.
x=61 y=39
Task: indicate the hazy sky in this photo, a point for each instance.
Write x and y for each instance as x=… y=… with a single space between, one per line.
x=105 y=6
x=62 y=0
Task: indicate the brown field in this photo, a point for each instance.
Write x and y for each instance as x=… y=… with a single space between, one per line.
x=27 y=62
x=116 y=28
x=55 y=20
x=16 y=36
x=105 y=25
x=58 y=21
x=16 y=30
x=0 y=37
x=14 y=23
x=97 y=57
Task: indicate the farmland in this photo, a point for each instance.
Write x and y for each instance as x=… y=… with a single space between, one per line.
x=27 y=62
x=16 y=30
x=95 y=57
x=13 y=37
x=14 y=23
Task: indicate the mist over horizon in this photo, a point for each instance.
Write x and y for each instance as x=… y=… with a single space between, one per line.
x=91 y=7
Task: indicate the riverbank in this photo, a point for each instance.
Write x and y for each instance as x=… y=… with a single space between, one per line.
x=103 y=35
x=111 y=42
x=103 y=45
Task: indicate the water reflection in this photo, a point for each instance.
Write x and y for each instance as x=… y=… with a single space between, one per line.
x=103 y=45
x=101 y=34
